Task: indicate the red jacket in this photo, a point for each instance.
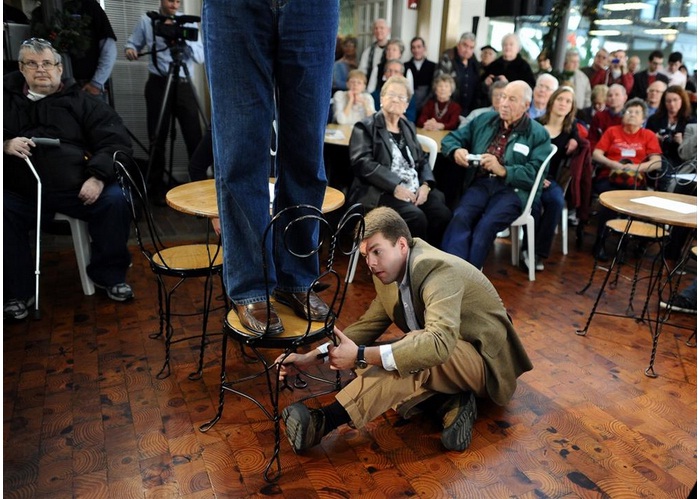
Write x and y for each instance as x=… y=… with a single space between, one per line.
x=605 y=77
x=450 y=120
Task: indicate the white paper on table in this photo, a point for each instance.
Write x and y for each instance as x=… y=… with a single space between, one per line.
x=667 y=204
x=334 y=134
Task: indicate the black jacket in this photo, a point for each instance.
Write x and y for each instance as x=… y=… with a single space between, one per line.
x=371 y=158
x=518 y=69
x=89 y=130
x=641 y=82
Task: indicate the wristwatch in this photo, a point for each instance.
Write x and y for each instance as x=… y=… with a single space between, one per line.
x=360 y=361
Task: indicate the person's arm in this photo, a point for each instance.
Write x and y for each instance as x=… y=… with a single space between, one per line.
x=104 y=134
x=138 y=39
x=340 y=103
x=628 y=80
x=105 y=64
x=687 y=149
x=195 y=50
x=599 y=156
x=521 y=169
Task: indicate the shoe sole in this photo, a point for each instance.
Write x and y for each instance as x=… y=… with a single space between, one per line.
x=294 y=421
x=458 y=436
x=114 y=297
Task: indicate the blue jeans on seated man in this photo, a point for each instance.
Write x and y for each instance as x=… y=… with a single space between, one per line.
x=265 y=61
x=109 y=225
x=487 y=207
x=546 y=213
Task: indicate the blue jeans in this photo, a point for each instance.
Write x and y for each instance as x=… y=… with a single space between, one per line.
x=109 y=224
x=487 y=207
x=547 y=212
x=268 y=60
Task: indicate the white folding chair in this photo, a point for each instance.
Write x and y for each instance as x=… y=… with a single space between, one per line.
x=81 y=243
x=432 y=148
x=526 y=219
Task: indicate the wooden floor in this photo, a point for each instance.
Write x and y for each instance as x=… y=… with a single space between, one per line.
x=84 y=415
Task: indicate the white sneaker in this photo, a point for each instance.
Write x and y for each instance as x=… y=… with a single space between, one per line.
x=539 y=262
x=505 y=233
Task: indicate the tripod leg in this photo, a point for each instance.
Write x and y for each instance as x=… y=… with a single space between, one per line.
x=156 y=136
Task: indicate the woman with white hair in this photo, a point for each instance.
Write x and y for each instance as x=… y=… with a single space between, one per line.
x=510 y=65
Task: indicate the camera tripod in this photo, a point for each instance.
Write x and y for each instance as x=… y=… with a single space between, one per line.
x=169 y=102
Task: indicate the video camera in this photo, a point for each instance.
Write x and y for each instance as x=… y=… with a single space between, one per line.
x=174 y=32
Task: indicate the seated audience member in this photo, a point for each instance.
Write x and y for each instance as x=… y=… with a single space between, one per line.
x=690 y=84
x=546 y=84
x=559 y=121
x=394 y=67
x=601 y=60
x=512 y=149
x=612 y=115
x=573 y=77
x=687 y=148
x=675 y=76
x=643 y=79
x=625 y=153
x=422 y=70
x=633 y=64
x=77 y=175
x=441 y=112
x=355 y=103
x=459 y=343
x=510 y=65
x=598 y=103
x=495 y=95
x=654 y=96
x=391 y=169
x=464 y=68
x=685 y=301
x=616 y=73
x=393 y=52
x=488 y=54
x=669 y=123
x=544 y=64
x=342 y=67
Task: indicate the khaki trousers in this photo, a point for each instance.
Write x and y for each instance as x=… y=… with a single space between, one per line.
x=376 y=390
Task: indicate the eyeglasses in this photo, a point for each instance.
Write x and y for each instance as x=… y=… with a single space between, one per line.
x=33 y=65
x=401 y=98
x=33 y=39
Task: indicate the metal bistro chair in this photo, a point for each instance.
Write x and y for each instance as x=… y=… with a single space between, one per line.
x=298 y=332
x=180 y=262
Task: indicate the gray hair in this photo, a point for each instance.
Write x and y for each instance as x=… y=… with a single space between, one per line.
x=398 y=42
x=547 y=76
x=571 y=53
x=618 y=85
x=636 y=102
x=37 y=46
x=497 y=84
x=467 y=36
x=397 y=80
x=514 y=36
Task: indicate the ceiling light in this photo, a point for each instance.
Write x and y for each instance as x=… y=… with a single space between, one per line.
x=662 y=31
x=675 y=19
x=626 y=6
x=604 y=32
x=612 y=22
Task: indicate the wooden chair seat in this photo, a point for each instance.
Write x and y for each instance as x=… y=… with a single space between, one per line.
x=637 y=229
x=189 y=257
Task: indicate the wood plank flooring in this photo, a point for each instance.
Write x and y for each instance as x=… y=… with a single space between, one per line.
x=85 y=417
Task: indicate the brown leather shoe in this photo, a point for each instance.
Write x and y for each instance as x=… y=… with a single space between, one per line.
x=318 y=308
x=254 y=317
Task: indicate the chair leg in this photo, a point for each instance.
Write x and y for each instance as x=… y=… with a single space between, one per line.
x=221 y=394
x=169 y=330
x=208 y=295
x=565 y=226
x=515 y=245
x=531 y=234
x=161 y=312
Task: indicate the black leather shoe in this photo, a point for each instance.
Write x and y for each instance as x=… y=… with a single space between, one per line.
x=254 y=317
x=318 y=308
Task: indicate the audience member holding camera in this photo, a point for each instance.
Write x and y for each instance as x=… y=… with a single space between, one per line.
x=617 y=72
x=670 y=120
x=625 y=154
x=510 y=148
x=169 y=35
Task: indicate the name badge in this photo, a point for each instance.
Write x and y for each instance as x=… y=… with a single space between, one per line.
x=521 y=148
x=628 y=153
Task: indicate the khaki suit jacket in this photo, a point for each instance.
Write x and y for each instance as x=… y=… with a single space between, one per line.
x=452 y=301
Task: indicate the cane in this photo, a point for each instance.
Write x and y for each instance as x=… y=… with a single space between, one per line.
x=37 y=271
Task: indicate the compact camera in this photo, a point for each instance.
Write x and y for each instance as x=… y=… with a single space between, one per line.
x=474 y=160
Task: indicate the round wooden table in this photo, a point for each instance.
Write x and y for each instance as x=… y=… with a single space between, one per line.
x=199 y=198
x=659 y=208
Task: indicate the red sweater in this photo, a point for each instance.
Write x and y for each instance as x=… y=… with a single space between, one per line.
x=451 y=119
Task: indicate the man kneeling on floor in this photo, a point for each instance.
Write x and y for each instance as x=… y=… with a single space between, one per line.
x=459 y=342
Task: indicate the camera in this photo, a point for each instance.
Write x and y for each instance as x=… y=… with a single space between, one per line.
x=615 y=61
x=174 y=32
x=474 y=160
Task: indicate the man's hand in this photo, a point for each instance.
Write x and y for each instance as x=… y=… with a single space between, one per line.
x=91 y=89
x=131 y=55
x=19 y=146
x=404 y=194
x=422 y=194
x=490 y=163
x=90 y=191
x=343 y=356
x=296 y=360
x=571 y=146
x=461 y=157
